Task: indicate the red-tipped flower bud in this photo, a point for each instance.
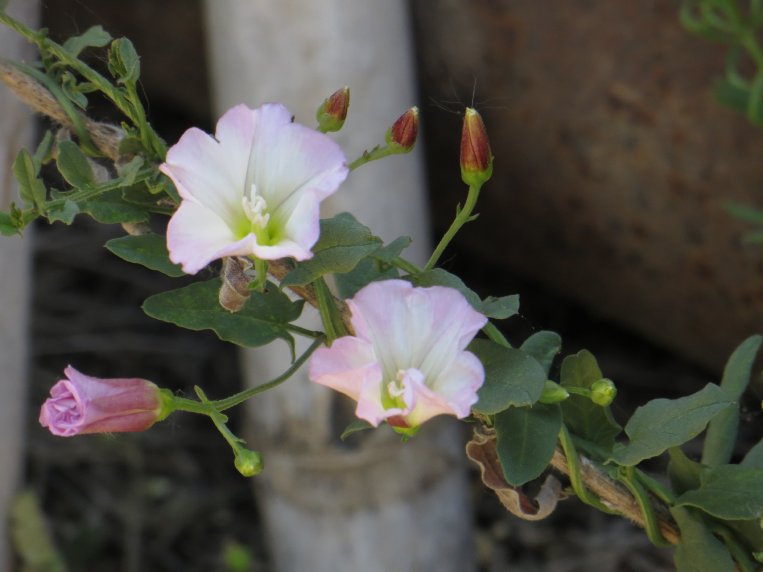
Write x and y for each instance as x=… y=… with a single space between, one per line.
x=333 y=111
x=476 y=157
x=401 y=137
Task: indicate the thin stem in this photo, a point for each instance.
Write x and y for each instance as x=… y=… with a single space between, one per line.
x=374 y=154
x=576 y=478
x=332 y=320
x=405 y=265
x=495 y=335
x=305 y=332
x=655 y=487
x=738 y=552
x=189 y=405
x=651 y=525
x=87 y=194
x=233 y=400
x=463 y=215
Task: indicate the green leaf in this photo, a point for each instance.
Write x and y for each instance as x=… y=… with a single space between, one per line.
x=585 y=418
x=109 y=208
x=7 y=228
x=149 y=250
x=440 y=277
x=130 y=170
x=699 y=550
x=665 y=423
x=368 y=270
x=722 y=430
x=392 y=250
x=95 y=37
x=543 y=346
x=124 y=62
x=263 y=318
x=74 y=166
x=500 y=308
x=31 y=188
x=729 y=492
x=354 y=427
x=512 y=377
x=44 y=149
x=526 y=439
x=343 y=243
x=745 y=212
x=71 y=89
x=684 y=473
x=754 y=457
x=64 y=213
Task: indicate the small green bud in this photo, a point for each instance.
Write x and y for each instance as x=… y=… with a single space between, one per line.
x=248 y=463
x=402 y=135
x=553 y=393
x=333 y=111
x=476 y=156
x=603 y=392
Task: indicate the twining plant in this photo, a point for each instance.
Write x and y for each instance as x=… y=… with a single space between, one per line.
x=406 y=342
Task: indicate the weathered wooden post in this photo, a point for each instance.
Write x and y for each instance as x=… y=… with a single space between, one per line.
x=15 y=132
x=380 y=505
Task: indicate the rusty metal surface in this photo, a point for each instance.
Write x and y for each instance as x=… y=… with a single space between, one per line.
x=613 y=161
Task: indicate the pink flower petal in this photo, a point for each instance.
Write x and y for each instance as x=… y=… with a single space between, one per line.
x=417 y=338
x=343 y=364
x=262 y=176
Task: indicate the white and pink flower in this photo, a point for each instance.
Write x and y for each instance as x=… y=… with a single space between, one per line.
x=406 y=362
x=254 y=189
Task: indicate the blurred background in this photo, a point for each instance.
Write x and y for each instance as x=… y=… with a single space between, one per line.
x=614 y=160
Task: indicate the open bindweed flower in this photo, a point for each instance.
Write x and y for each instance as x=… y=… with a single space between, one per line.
x=407 y=362
x=82 y=404
x=254 y=189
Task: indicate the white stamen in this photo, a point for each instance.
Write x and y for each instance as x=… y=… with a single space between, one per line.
x=255 y=208
x=397 y=388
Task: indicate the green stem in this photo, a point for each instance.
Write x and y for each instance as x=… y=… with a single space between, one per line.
x=405 y=265
x=462 y=217
x=738 y=551
x=148 y=136
x=374 y=154
x=576 y=477
x=220 y=421
x=655 y=487
x=495 y=335
x=87 y=194
x=332 y=320
x=626 y=475
x=190 y=405
x=233 y=400
x=260 y=274
x=305 y=332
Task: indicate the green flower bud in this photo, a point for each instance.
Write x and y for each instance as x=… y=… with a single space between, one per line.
x=248 y=463
x=553 y=393
x=603 y=392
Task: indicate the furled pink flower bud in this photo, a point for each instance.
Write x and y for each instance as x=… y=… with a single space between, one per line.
x=403 y=133
x=82 y=404
x=407 y=361
x=333 y=111
x=476 y=157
